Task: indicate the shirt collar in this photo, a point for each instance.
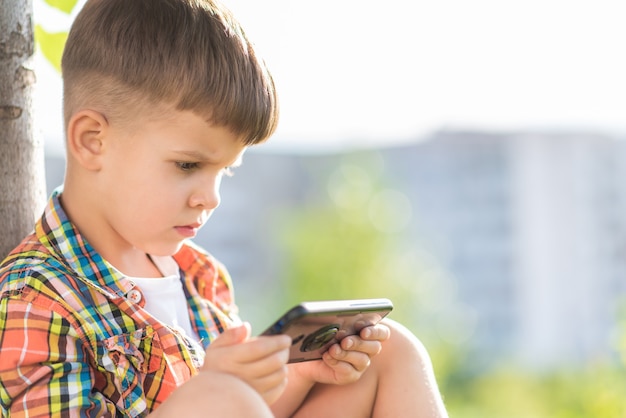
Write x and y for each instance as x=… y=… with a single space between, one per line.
x=65 y=242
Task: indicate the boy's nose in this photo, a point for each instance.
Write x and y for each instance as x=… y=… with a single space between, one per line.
x=207 y=196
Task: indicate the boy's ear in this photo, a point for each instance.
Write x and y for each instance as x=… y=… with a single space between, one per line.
x=86 y=136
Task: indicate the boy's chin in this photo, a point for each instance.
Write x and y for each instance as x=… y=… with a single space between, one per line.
x=166 y=251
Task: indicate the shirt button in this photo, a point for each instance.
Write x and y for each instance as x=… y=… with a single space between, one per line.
x=134 y=296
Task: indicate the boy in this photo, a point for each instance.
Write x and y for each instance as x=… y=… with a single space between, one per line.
x=107 y=309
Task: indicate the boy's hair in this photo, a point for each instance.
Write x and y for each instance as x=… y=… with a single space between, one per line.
x=122 y=55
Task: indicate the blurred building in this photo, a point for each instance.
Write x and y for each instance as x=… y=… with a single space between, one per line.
x=532 y=228
x=529 y=226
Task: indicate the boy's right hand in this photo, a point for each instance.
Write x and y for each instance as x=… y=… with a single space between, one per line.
x=261 y=361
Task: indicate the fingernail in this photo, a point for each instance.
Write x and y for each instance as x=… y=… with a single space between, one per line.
x=349 y=343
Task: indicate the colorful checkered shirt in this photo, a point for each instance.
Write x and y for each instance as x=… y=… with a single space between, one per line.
x=72 y=341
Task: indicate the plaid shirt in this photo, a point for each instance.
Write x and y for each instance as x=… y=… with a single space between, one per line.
x=74 y=337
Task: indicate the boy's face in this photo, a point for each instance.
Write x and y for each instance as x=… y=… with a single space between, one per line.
x=161 y=182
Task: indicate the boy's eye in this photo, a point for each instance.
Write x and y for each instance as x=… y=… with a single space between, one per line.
x=189 y=166
x=186 y=166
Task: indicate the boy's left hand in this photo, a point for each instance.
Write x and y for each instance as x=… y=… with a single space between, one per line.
x=346 y=361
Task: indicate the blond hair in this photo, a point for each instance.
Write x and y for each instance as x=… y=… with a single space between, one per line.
x=123 y=54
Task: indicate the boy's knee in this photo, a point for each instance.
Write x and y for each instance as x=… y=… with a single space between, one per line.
x=404 y=346
x=220 y=393
x=405 y=363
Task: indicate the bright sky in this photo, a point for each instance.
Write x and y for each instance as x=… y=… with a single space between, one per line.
x=380 y=72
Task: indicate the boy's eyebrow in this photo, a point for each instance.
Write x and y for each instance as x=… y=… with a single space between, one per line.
x=199 y=156
x=196 y=155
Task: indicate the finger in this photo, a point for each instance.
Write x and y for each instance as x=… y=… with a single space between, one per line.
x=354 y=343
x=227 y=355
x=236 y=358
x=264 y=366
x=378 y=332
x=348 y=369
x=358 y=361
x=232 y=336
x=260 y=348
x=267 y=383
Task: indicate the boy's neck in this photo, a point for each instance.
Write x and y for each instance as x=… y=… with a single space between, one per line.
x=137 y=265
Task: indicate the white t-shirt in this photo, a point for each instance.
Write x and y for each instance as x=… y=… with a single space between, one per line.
x=165 y=297
x=166 y=301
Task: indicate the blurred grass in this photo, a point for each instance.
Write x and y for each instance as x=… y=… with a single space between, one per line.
x=591 y=391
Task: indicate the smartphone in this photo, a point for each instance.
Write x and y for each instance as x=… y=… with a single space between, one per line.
x=315 y=326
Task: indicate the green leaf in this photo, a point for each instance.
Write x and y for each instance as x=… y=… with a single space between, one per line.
x=63 y=5
x=51 y=45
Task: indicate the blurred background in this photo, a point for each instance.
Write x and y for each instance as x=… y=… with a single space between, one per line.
x=464 y=159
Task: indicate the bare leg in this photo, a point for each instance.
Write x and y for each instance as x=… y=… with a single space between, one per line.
x=216 y=395
x=399 y=383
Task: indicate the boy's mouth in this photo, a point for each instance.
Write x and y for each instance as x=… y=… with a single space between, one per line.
x=188 y=231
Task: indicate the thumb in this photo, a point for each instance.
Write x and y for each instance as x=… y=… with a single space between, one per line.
x=234 y=335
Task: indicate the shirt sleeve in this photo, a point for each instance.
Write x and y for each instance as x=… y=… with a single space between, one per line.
x=44 y=367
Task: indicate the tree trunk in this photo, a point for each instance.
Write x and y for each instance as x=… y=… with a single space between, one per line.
x=22 y=176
